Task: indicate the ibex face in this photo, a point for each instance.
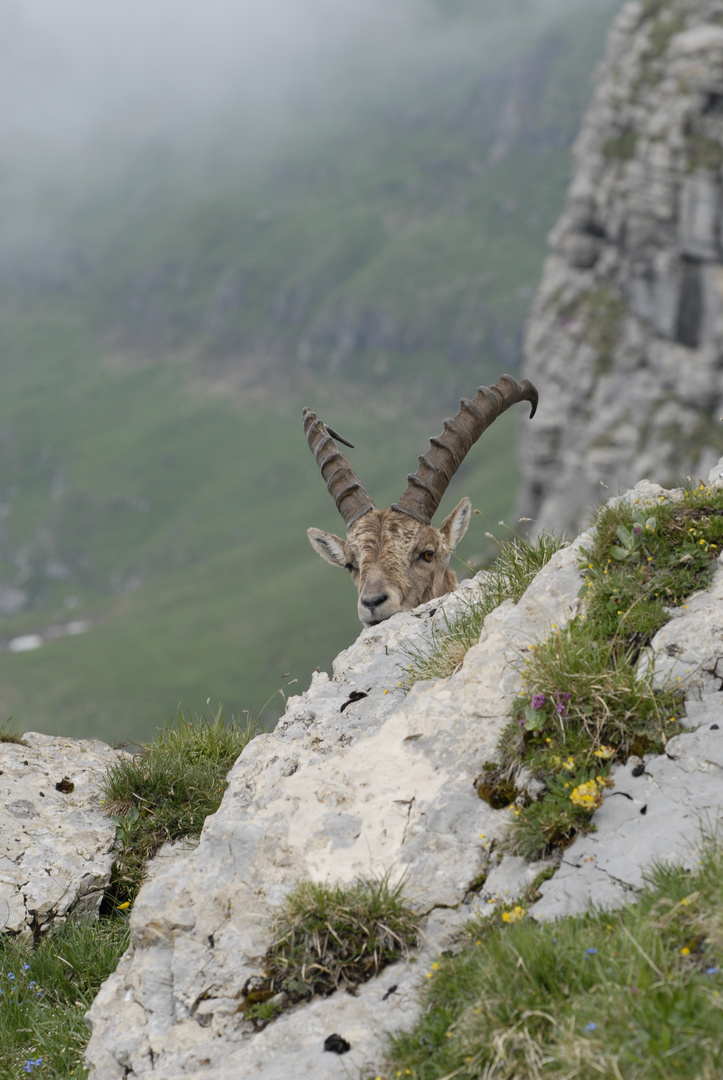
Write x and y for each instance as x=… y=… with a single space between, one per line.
x=396 y=558
x=395 y=562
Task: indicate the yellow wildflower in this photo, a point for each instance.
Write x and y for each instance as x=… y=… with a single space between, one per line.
x=515 y=915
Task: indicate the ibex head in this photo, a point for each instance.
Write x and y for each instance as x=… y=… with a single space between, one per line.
x=396 y=557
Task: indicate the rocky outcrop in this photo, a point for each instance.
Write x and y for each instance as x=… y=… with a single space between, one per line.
x=359 y=779
x=343 y=787
x=55 y=841
x=625 y=338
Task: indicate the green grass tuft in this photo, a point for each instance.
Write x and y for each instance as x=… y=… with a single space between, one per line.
x=649 y=558
x=587 y=704
x=8 y=735
x=167 y=792
x=634 y=993
x=45 y=991
x=328 y=937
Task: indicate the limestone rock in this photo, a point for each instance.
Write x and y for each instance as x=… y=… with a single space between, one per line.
x=359 y=779
x=625 y=337
x=380 y=784
x=55 y=841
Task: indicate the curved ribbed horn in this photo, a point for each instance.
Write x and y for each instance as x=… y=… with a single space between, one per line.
x=437 y=467
x=350 y=497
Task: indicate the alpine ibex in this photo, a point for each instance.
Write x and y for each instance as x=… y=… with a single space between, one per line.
x=396 y=558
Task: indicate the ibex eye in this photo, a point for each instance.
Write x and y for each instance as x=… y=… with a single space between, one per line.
x=350 y=567
x=428 y=555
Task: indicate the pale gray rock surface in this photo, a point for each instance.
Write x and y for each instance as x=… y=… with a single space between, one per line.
x=55 y=843
x=625 y=336
x=382 y=784
x=350 y=785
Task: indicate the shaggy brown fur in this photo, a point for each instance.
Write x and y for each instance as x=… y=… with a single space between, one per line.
x=395 y=562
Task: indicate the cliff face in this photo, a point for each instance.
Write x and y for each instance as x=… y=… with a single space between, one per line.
x=625 y=338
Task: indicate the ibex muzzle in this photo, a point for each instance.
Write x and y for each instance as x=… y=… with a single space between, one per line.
x=396 y=557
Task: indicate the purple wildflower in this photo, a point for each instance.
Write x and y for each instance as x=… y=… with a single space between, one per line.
x=592 y=1026
x=538 y=700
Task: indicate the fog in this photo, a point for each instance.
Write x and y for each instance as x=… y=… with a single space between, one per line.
x=90 y=69
x=145 y=66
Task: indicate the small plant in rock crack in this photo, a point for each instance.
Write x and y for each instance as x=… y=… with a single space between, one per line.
x=571 y=798
x=646 y=558
x=587 y=703
x=586 y=708
x=124 y=827
x=631 y=539
x=328 y=937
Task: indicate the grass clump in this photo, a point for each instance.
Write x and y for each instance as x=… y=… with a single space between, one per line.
x=517 y=563
x=634 y=993
x=587 y=703
x=594 y=709
x=621 y=147
x=328 y=937
x=7 y=735
x=45 y=991
x=168 y=791
x=649 y=558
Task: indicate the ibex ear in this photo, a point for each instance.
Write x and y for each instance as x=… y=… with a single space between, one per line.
x=327 y=545
x=455 y=525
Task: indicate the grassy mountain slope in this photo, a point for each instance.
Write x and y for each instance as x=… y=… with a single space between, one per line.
x=161 y=335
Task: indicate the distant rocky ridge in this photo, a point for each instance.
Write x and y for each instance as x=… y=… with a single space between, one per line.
x=358 y=779
x=625 y=339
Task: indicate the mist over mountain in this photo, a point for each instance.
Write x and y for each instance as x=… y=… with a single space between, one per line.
x=85 y=69
x=287 y=190
x=212 y=218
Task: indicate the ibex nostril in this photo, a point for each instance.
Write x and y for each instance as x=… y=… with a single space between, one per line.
x=374 y=601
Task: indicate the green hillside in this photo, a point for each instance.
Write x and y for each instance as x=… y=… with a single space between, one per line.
x=167 y=317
